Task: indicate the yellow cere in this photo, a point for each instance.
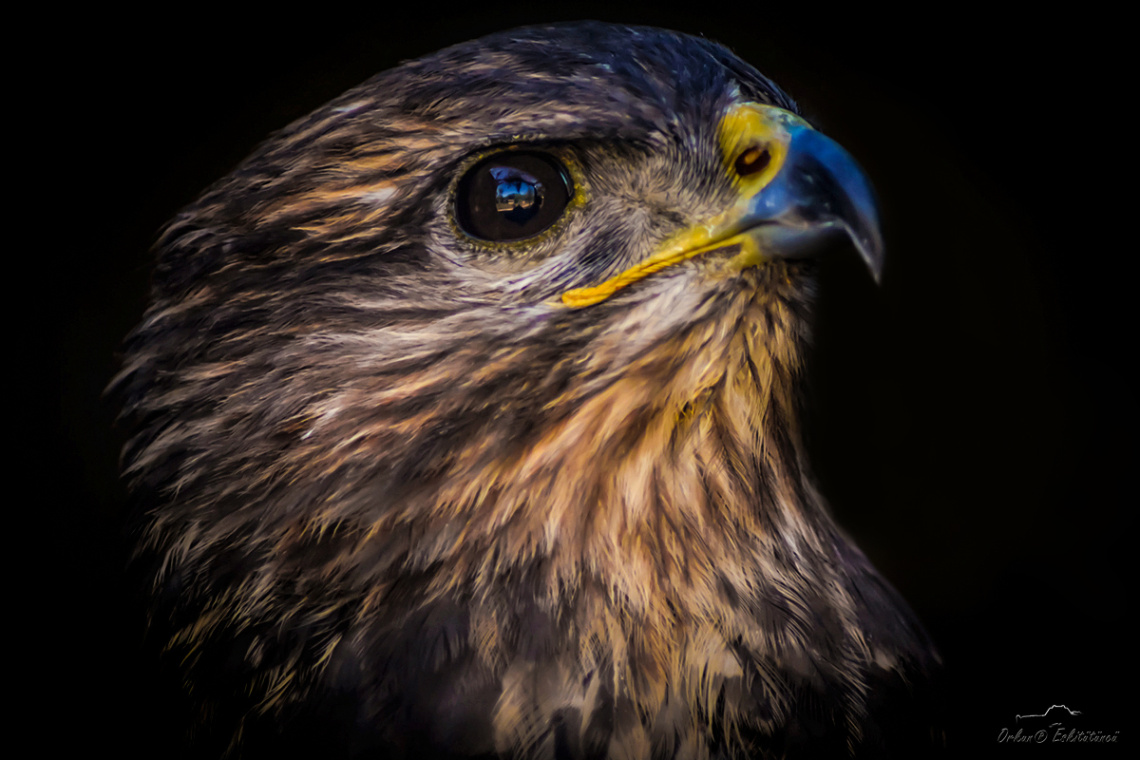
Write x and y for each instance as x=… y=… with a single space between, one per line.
x=745 y=127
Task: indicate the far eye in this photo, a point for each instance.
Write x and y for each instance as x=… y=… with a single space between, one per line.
x=512 y=196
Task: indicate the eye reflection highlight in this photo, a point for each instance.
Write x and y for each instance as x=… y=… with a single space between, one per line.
x=518 y=195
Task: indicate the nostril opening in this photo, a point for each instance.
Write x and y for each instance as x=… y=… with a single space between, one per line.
x=753 y=160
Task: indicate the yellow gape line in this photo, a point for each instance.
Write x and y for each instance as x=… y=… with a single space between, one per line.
x=754 y=144
x=682 y=249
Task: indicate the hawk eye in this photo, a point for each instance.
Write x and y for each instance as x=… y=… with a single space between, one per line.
x=512 y=196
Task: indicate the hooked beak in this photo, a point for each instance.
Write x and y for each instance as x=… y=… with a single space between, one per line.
x=797 y=190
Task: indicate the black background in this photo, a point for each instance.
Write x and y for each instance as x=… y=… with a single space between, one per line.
x=973 y=419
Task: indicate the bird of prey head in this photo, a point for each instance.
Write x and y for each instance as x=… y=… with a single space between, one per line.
x=465 y=423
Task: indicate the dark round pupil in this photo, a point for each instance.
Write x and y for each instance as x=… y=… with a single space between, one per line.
x=512 y=195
